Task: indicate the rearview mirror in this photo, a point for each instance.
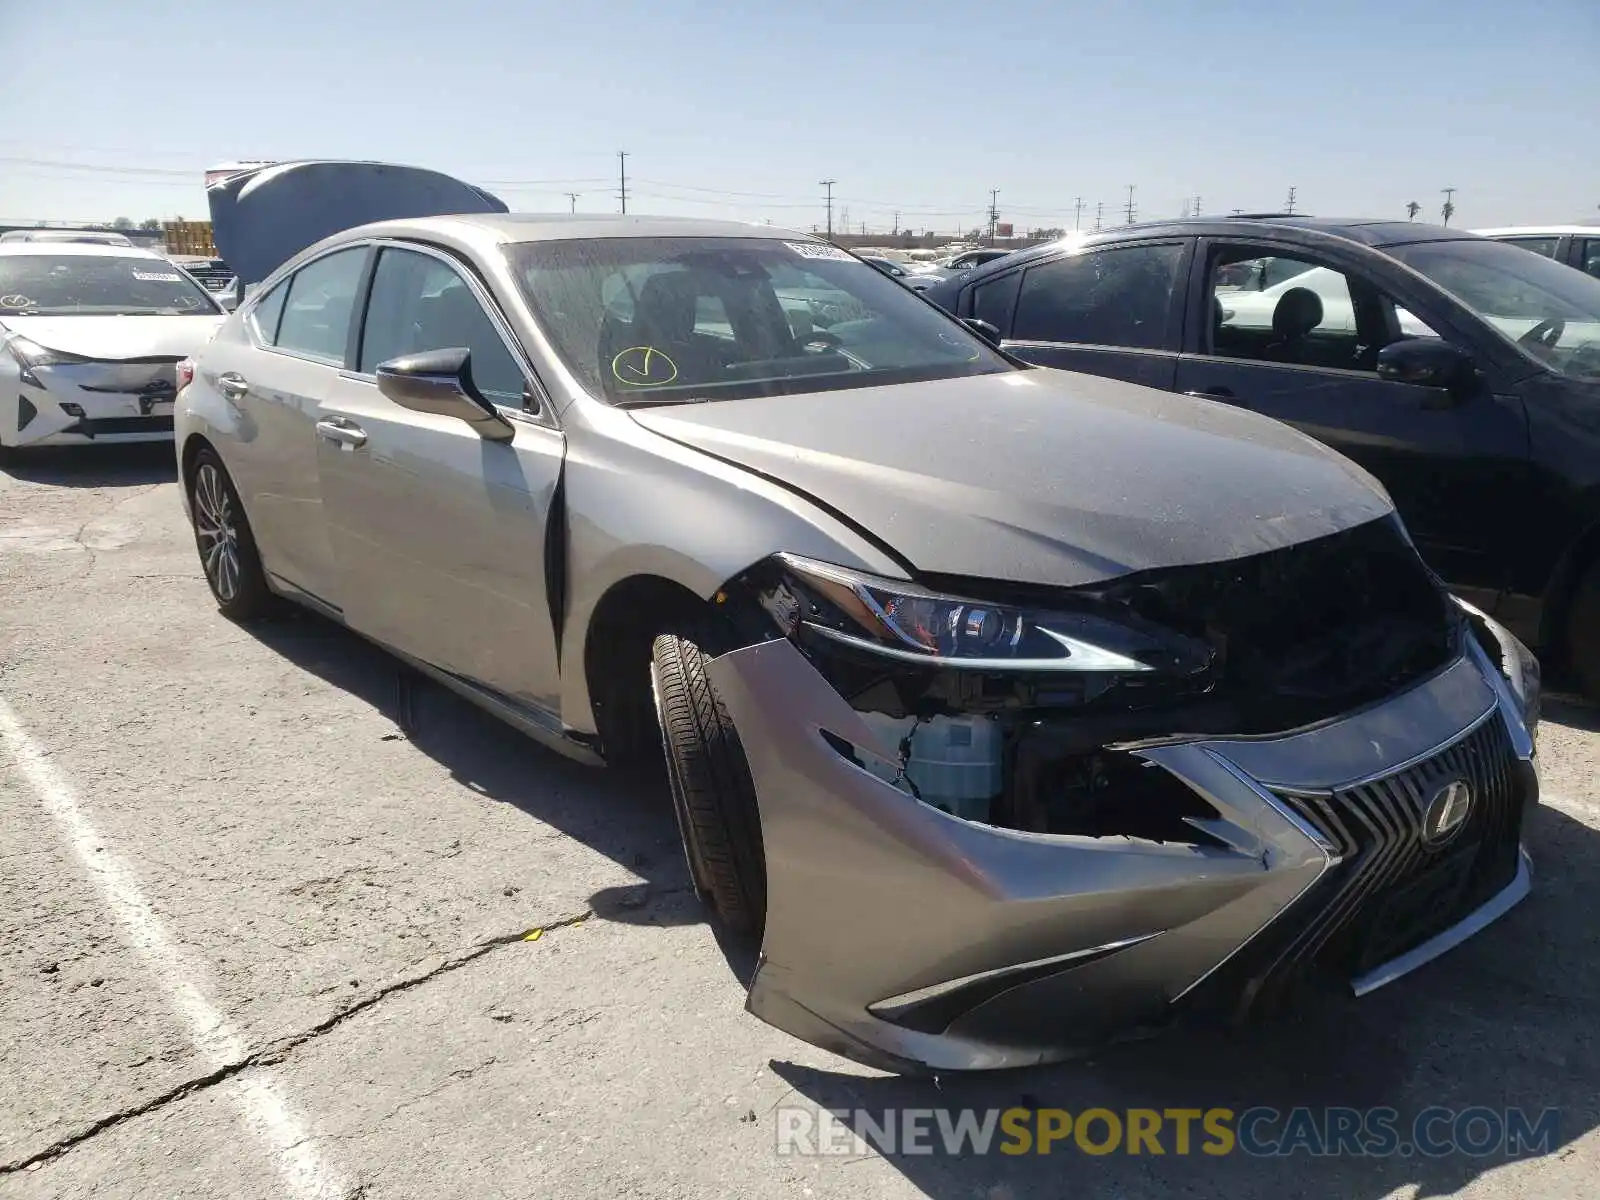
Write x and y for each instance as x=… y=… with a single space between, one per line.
x=440 y=382
x=1427 y=362
x=989 y=333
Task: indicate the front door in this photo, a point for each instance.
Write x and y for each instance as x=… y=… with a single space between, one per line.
x=439 y=535
x=1303 y=349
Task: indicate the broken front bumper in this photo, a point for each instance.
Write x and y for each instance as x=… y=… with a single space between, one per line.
x=905 y=938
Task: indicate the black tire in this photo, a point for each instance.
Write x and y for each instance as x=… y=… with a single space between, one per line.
x=712 y=791
x=1583 y=632
x=227 y=548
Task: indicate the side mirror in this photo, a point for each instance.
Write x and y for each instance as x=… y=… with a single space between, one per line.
x=983 y=329
x=440 y=382
x=1427 y=362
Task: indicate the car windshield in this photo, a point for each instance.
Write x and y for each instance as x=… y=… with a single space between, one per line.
x=96 y=284
x=668 y=320
x=1550 y=310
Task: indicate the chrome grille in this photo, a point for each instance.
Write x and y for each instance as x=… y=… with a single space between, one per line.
x=1393 y=889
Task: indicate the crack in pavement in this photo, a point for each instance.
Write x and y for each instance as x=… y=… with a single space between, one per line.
x=275 y=1051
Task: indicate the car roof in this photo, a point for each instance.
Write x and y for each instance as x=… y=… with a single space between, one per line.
x=80 y=249
x=1541 y=231
x=542 y=227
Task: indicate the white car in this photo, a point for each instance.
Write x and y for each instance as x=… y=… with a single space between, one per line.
x=1246 y=308
x=90 y=340
x=1575 y=245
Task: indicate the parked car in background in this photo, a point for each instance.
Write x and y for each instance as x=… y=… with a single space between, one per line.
x=213 y=274
x=1575 y=245
x=887 y=265
x=90 y=339
x=1462 y=372
x=990 y=702
x=92 y=237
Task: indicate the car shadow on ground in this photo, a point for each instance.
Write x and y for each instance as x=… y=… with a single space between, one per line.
x=128 y=464
x=624 y=815
x=1504 y=1021
x=1573 y=712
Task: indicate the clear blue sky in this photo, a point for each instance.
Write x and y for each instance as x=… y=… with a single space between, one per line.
x=738 y=110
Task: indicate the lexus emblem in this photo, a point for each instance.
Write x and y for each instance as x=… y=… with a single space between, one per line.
x=1447 y=811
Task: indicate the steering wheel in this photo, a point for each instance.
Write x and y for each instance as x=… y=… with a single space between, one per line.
x=819 y=340
x=1545 y=333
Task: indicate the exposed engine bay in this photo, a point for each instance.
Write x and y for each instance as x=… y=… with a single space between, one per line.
x=1260 y=645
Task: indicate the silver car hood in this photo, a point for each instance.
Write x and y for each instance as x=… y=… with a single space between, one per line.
x=1040 y=476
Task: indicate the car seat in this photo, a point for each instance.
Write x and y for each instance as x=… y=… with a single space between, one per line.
x=1298 y=312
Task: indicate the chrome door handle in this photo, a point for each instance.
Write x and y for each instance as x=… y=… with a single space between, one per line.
x=232 y=385
x=342 y=432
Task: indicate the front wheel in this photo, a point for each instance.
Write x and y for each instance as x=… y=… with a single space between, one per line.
x=712 y=792
x=227 y=547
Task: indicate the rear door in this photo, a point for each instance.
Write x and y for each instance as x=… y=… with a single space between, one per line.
x=294 y=342
x=439 y=535
x=1454 y=467
x=1108 y=310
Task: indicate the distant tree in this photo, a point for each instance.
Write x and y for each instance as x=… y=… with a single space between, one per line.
x=150 y=223
x=1412 y=209
x=1449 y=210
x=122 y=223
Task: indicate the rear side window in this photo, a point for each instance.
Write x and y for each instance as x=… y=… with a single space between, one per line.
x=993 y=301
x=1589 y=257
x=316 y=315
x=1120 y=296
x=264 y=316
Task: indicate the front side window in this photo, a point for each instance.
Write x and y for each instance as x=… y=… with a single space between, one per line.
x=124 y=285
x=1545 y=245
x=665 y=320
x=1119 y=296
x=420 y=303
x=1549 y=310
x=1286 y=309
x=316 y=314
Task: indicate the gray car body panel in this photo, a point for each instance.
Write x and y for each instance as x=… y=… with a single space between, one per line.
x=876 y=901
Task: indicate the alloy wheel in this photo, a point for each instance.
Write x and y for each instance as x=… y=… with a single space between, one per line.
x=216 y=528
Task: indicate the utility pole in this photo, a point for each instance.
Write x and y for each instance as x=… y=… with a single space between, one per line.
x=897 y=224
x=573 y=197
x=828 y=183
x=1449 y=209
x=1130 y=204
x=1197 y=206
x=1099 y=214
x=994 y=212
x=1289 y=207
x=1077 y=213
x=622 y=167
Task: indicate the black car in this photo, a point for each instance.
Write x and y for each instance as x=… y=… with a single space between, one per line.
x=1464 y=373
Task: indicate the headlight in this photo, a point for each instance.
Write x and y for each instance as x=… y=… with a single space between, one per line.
x=902 y=621
x=30 y=354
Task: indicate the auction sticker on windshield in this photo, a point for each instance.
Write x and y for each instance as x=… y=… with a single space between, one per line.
x=820 y=250
x=159 y=276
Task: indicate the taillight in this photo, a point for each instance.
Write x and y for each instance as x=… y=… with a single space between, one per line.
x=185 y=372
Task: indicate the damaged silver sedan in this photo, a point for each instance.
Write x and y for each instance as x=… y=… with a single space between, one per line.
x=1011 y=710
